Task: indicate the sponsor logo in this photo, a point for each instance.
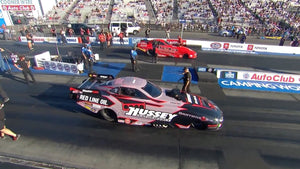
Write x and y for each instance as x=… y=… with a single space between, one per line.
x=268 y=86
x=273 y=78
x=226 y=45
x=74 y=68
x=229 y=75
x=150 y=114
x=189 y=115
x=71 y=40
x=236 y=46
x=246 y=75
x=216 y=45
x=250 y=47
x=47 y=65
x=93 y=99
x=53 y=66
x=260 y=48
x=38 y=39
x=201 y=69
x=127 y=121
x=126 y=106
x=67 y=67
x=60 y=67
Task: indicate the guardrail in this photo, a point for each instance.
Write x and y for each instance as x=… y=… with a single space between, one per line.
x=205 y=45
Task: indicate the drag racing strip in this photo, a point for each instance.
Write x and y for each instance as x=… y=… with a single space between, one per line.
x=22 y=163
x=277 y=112
x=262 y=95
x=263 y=124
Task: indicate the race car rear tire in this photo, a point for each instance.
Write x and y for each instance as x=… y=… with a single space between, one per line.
x=108 y=115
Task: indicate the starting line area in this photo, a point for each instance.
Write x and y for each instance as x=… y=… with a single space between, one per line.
x=227 y=78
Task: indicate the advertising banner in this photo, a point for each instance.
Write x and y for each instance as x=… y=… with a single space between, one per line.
x=259 y=76
x=18 y=7
x=116 y=41
x=40 y=58
x=259 y=85
x=61 y=67
x=244 y=48
x=266 y=81
x=36 y=39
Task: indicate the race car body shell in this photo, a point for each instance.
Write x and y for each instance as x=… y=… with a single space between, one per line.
x=163 y=48
x=136 y=101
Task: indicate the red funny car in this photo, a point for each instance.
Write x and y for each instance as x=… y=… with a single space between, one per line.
x=163 y=48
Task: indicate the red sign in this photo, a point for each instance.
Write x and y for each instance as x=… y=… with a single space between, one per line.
x=226 y=46
x=18 y=7
x=250 y=47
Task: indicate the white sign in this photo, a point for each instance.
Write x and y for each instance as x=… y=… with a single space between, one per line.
x=61 y=67
x=268 y=77
x=40 y=58
x=16 y=2
x=259 y=76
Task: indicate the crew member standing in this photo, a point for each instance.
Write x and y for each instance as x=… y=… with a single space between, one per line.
x=154 y=54
x=180 y=41
x=147 y=32
x=3 y=130
x=102 y=39
x=109 y=38
x=168 y=33
x=63 y=36
x=2 y=64
x=187 y=77
x=134 y=59
x=23 y=65
x=282 y=40
x=84 y=57
x=121 y=36
x=91 y=58
x=30 y=41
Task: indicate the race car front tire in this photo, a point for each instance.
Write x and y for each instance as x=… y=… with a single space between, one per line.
x=108 y=115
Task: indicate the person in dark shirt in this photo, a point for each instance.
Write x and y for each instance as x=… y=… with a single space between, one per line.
x=147 y=33
x=134 y=58
x=91 y=58
x=23 y=65
x=187 y=77
x=3 y=130
x=282 y=40
x=30 y=41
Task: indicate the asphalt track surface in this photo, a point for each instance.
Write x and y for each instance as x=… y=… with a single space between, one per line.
x=261 y=129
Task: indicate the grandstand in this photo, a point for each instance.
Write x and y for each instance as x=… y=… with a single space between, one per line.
x=270 y=14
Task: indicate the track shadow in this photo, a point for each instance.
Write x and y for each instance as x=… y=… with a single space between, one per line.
x=15 y=78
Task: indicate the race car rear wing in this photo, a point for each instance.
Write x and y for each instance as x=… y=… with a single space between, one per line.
x=87 y=85
x=104 y=77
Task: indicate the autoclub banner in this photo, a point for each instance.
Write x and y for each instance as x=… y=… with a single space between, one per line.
x=265 y=81
x=18 y=7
